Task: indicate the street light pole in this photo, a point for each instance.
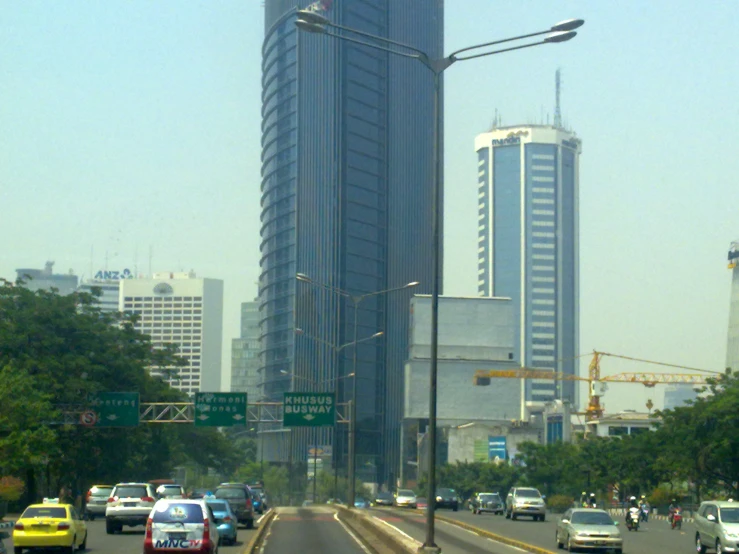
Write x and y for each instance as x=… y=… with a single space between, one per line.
x=313 y=22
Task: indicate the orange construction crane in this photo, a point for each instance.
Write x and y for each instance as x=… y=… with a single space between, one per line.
x=595 y=408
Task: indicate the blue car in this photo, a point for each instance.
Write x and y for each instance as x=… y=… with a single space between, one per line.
x=361 y=503
x=225 y=519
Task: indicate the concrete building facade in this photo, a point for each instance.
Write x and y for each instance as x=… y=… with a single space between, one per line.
x=181 y=309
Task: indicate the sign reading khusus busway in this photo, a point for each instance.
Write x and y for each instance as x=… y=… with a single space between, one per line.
x=309 y=409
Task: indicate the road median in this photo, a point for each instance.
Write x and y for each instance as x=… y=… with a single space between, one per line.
x=258 y=538
x=378 y=537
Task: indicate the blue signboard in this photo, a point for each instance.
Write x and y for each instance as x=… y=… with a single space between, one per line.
x=497 y=447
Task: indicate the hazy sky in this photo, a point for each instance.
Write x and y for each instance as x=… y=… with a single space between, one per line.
x=130 y=125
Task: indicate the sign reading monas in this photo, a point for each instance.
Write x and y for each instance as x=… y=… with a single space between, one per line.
x=309 y=409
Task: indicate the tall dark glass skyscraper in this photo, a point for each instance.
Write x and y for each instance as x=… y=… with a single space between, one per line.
x=346 y=200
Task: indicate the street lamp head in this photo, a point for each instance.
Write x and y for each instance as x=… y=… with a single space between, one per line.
x=303 y=277
x=285 y=372
x=299 y=331
x=310 y=16
x=568 y=25
x=412 y=284
x=378 y=334
x=560 y=37
x=310 y=27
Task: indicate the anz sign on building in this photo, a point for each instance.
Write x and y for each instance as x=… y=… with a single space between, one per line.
x=105 y=275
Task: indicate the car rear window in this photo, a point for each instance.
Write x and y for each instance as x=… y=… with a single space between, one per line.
x=405 y=492
x=234 y=493
x=178 y=513
x=528 y=493
x=101 y=491
x=131 y=492
x=54 y=513
x=218 y=506
x=170 y=490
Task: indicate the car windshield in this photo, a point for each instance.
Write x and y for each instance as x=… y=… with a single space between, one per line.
x=170 y=490
x=730 y=515
x=177 y=513
x=101 y=491
x=445 y=492
x=489 y=497
x=406 y=492
x=52 y=513
x=528 y=493
x=233 y=494
x=591 y=518
x=131 y=492
x=384 y=495
x=218 y=506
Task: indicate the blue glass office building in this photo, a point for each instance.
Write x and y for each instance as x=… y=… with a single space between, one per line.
x=528 y=180
x=346 y=200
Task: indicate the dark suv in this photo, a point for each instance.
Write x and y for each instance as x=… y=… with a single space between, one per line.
x=447 y=498
x=239 y=497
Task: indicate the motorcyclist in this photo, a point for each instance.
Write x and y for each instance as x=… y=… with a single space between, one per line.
x=633 y=509
x=591 y=501
x=645 y=508
x=584 y=499
x=674 y=505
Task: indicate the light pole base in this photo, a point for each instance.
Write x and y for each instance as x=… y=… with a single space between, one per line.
x=423 y=549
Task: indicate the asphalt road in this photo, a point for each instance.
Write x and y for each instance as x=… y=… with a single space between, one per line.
x=131 y=540
x=656 y=536
x=313 y=530
x=450 y=538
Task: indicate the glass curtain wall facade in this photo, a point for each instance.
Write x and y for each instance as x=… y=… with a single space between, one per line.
x=528 y=244
x=245 y=353
x=346 y=200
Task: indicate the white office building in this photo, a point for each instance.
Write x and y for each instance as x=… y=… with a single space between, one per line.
x=528 y=181
x=184 y=310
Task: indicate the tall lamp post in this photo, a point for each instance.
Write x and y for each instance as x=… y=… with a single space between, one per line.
x=314 y=22
x=356 y=300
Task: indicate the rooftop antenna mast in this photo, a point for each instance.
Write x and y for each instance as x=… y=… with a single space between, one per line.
x=557 y=111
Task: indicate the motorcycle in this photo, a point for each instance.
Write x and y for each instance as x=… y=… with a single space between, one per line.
x=677 y=519
x=644 y=514
x=632 y=521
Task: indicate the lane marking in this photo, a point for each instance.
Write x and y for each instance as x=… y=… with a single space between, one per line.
x=264 y=515
x=508 y=546
x=406 y=535
x=352 y=534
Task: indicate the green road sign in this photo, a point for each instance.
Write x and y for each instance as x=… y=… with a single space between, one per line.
x=112 y=409
x=220 y=409
x=309 y=409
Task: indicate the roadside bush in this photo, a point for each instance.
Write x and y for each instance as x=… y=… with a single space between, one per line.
x=11 y=488
x=559 y=503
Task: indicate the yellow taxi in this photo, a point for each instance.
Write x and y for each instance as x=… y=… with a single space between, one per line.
x=50 y=525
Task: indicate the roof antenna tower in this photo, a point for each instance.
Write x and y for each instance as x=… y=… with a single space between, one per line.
x=557 y=112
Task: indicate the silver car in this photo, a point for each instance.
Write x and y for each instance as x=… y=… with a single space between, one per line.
x=405 y=498
x=588 y=528
x=717 y=526
x=525 y=501
x=129 y=504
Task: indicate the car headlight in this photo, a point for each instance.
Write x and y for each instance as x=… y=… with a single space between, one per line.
x=438 y=499
x=732 y=535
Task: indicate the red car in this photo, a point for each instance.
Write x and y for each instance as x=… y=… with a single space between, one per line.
x=421 y=504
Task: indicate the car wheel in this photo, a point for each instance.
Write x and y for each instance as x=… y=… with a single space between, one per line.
x=17 y=550
x=70 y=549
x=514 y=517
x=83 y=546
x=250 y=524
x=570 y=548
x=109 y=527
x=507 y=515
x=542 y=517
x=719 y=548
x=560 y=544
x=699 y=544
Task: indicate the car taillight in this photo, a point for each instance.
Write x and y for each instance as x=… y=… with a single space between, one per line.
x=89 y=494
x=112 y=499
x=248 y=503
x=62 y=526
x=19 y=526
x=227 y=519
x=147 y=499
x=149 y=523
x=206 y=530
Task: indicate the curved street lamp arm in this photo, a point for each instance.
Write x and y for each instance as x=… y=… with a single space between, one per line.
x=375 y=46
x=305 y=279
x=501 y=50
x=493 y=43
x=360 y=297
x=322 y=341
x=377 y=38
x=365 y=339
